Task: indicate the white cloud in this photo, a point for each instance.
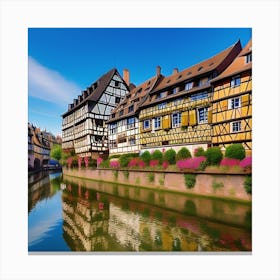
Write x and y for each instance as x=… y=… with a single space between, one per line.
x=49 y=85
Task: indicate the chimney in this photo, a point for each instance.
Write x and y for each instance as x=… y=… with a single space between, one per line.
x=175 y=71
x=158 y=70
x=126 y=76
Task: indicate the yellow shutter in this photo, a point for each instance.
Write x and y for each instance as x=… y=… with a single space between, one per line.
x=224 y=105
x=245 y=99
x=185 y=118
x=166 y=123
x=192 y=117
x=209 y=116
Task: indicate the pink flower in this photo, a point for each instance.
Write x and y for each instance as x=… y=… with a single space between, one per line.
x=141 y=164
x=246 y=162
x=190 y=163
x=230 y=162
x=114 y=164
x=154 y=162
x=165 y=164
x=133 y=162
x=80 y=160
x=86 y=160
x=99 y=161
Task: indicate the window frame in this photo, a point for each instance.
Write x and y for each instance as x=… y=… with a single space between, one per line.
x=176 y=119
x=144 y=124
x=205 y=115
x=233 y=130
x=235 y=81
x=232 y=105
x=157 y=123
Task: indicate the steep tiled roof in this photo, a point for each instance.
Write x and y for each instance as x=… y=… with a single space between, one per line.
x=238 y=65
x=199 y=69
x=94 y=91
x=135 y=97
x=203 y=69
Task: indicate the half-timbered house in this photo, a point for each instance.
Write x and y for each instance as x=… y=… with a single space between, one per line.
x=232 y=103
x=177 y=112
x=83 y=128
x=124 y=119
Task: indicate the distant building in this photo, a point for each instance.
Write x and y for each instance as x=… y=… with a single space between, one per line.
x=232 y=103
x=40 y=143
x=84 y=128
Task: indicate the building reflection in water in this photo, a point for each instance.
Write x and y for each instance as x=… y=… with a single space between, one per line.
x=97 y=221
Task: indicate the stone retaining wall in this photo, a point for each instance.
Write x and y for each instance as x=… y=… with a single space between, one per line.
x=230 y=186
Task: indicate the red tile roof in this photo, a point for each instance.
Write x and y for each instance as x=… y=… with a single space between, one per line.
x=238 y=65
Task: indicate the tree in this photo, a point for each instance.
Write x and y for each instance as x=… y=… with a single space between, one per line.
x=56 y=152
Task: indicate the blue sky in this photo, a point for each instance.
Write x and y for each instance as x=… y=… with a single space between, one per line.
x=64 y=61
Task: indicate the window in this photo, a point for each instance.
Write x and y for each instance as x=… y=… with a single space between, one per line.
x=113 y=128
x=130 y=108
x=234 y=103
x=132 y=140
x=121 y=113
x=236 y=126
x=202 y=115
x=199 y=96
x=147 y=124
x=188 y=86
x=117 y=100
x=177 y=101
x=235 y=81
x=249 y=58
x=122 y=138
x=160 y=95
x=113 y=116
x=157 y=123
x=117 y=84
x=130 y=122
x=174 y=90
x=162 y=105
x=176 y=119
x=113 y=144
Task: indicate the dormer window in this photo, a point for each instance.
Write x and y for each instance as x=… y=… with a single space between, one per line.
x=248 y=58
x=159 y=95
x=130 y=108
x=188 y=86
x=235 y=81
x=121 y=113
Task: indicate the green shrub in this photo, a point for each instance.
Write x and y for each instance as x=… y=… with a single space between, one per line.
x=146 y=157
x=151 y=177
x=199 y=152
x=157 y=155
x=105 y=164
x=75 y=161
x=202 y=165
x=124 y=160
x=116 y=174
x=236 y=151
x=248 y=184
x=213 y=155
x=190 y=180
x=170 y=156
x=183 y=153
x=114 y=156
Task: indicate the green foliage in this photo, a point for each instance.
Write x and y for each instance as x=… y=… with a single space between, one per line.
x=199 y=152
x=161 y=180
x=170 y=156
x=217 y=185
x=92 y=162
x=183 y=153
x=151 y=177
x=116 y=174
x=214 y=156
x=105 y=164
x=190 y=180
x=56 y=152
x=202 y=165
x=248 y=184
x=146 y=157
x=124 y=160
x=75 y=161
x=157 y=155
x=236 y=151
x=114 y=156
x=126 y=174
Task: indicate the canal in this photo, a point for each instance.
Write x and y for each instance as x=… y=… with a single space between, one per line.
x=71 y=214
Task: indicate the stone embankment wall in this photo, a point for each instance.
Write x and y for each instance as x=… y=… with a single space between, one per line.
x=228 y=186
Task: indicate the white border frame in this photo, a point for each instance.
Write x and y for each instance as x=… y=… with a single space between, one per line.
x=17 y=16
